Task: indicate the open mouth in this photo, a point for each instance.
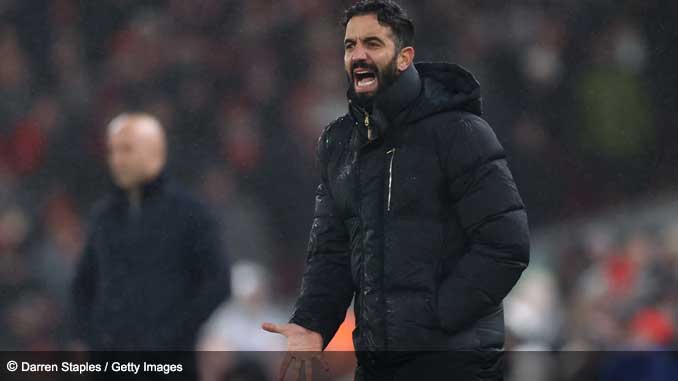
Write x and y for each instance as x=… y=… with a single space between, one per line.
x=365 y=79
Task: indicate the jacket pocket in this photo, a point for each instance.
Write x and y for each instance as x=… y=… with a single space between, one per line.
x=462 y=308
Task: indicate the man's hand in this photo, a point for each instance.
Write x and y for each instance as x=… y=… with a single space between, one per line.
x=299 y=339
x=303 y=345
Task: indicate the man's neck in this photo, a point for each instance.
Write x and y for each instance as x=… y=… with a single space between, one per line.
x=134 y=195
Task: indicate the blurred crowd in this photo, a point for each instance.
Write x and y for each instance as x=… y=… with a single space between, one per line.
x=579 y=92
x=608 y=283
x=612 y=289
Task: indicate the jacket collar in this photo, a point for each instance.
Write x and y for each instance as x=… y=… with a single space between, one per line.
x=400 y=95
x=148 y=189
x=389 y=105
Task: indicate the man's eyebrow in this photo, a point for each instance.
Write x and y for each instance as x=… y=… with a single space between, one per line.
x=372 y=39
x=364 y=40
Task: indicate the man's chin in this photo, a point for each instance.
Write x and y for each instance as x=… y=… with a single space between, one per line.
x=123 y=183
x=363 y=97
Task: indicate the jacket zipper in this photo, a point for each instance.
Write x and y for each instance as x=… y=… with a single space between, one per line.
x=367 y=125
x=391 y=152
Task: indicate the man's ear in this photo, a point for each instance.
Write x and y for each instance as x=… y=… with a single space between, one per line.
x=405 y=58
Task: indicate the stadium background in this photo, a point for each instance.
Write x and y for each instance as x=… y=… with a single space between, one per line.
x=581 y=93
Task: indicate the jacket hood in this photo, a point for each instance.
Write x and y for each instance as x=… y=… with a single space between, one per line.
x=446 y=87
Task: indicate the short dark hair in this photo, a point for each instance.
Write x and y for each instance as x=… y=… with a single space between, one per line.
x=388 y=13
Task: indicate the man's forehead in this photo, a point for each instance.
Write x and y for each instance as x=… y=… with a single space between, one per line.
x=133 y=124
x=121 y=124
x=363 y=26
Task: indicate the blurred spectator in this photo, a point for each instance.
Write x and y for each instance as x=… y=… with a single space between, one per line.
x=153 y=267
x=15 y=81
x=236 y=324
x=234 y=328
x=31 y=320
x=58 y=254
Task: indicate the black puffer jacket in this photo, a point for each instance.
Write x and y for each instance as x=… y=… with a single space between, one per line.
x=423 y=225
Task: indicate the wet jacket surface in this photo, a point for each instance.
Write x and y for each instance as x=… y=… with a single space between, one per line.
x=423 y=226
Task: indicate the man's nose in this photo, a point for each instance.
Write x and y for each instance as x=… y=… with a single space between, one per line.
x=359 y=54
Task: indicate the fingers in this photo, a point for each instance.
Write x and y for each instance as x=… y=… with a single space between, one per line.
x=296 y=361
x=308 y=366
x=274 y=328
x=285 y=364
x=297 y=365
x=325 y=365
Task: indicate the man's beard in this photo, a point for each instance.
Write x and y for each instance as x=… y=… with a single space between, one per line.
x=385 y=79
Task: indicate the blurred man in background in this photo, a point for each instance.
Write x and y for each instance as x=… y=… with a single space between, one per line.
x=416 y=214
x=153 y=267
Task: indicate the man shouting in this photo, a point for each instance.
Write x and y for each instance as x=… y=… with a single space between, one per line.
x=417 y=216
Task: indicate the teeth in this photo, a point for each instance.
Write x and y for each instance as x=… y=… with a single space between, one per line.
x=366 y=82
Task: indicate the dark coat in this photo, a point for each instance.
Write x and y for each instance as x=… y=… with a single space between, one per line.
x=149 y=277
x=423 y=225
